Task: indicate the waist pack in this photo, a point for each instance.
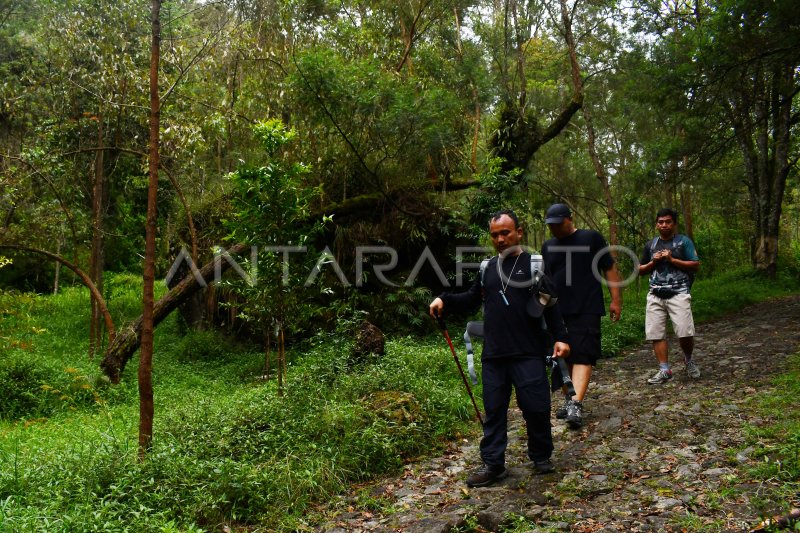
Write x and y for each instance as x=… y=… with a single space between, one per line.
x=664 y=294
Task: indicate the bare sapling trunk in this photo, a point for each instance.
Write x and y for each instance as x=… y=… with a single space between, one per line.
x=146 y=407
x=281 y=360
x=97 y=259
x=267 y=353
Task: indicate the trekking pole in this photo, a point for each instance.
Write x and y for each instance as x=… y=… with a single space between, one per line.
x=562 y=366
x=442 y=326
x=566 y=379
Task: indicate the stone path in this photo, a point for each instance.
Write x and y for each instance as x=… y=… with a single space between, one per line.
x=649 y=458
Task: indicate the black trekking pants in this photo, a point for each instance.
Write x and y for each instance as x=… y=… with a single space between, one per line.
x=529 y=379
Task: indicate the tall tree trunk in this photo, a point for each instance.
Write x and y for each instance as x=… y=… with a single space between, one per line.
x=782 y=96
x=602 y=176
x=519 y=47
x=97 y=259
x=57 y=276
x=146 y=407
x=473 y=159
x=686 y=203
x=762 y=121
x=575 y=69
x=409 y=34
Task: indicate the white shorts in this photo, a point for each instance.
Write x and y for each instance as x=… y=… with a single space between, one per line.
x=678 y=309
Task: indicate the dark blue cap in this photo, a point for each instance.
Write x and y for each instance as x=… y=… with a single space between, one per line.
x=556 y=214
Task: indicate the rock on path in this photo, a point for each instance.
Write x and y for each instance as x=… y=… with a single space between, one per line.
x=649 y=458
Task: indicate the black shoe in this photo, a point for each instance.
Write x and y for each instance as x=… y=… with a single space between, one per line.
x=545 y=466
x=486 y=475
x=575 y=415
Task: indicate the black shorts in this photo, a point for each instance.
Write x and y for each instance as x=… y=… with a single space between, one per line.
x=584 y=339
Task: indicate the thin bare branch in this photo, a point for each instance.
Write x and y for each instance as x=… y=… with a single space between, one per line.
x=103 y=308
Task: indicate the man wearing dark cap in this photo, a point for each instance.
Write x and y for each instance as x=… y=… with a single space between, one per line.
x=577 y=260
x=514 y=349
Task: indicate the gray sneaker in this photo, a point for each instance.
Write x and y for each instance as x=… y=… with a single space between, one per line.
x=575 y=415
x=692 y=370
x=561 y=412
x=662 y=376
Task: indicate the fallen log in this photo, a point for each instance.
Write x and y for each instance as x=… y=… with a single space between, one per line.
x=128 y=339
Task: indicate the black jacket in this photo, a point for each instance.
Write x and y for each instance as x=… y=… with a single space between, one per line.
x=508 y=329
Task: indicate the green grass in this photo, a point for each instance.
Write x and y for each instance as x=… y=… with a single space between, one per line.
x=711 y=298
x=776 y=450
x=228 y=449
x=777 y=444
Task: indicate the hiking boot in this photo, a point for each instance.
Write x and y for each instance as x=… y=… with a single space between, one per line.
x=662 y=376
x=486 y=475
x=692 y=370
x=545 y=466
x=575 y=415
x=561 y=412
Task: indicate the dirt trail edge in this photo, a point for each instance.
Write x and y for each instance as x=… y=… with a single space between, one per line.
x=649 y=458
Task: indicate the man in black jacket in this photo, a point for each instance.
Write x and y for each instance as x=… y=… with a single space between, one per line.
x=515 y=347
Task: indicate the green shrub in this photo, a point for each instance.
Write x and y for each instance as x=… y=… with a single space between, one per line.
x=31 y=388
x=123 y=294
x=204 y=346
x=21 y=382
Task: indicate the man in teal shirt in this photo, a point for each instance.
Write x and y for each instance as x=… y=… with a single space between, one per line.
x=671 y=260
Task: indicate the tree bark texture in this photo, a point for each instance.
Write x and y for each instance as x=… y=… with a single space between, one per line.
x=761 y=112
x=146 y=407
x=128 y=341
x=97 y=257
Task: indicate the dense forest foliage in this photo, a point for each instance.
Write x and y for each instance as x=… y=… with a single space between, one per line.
x=309 y=164
x=412 y=121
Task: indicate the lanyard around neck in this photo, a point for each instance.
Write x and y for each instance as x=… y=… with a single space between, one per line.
x=505 y=286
